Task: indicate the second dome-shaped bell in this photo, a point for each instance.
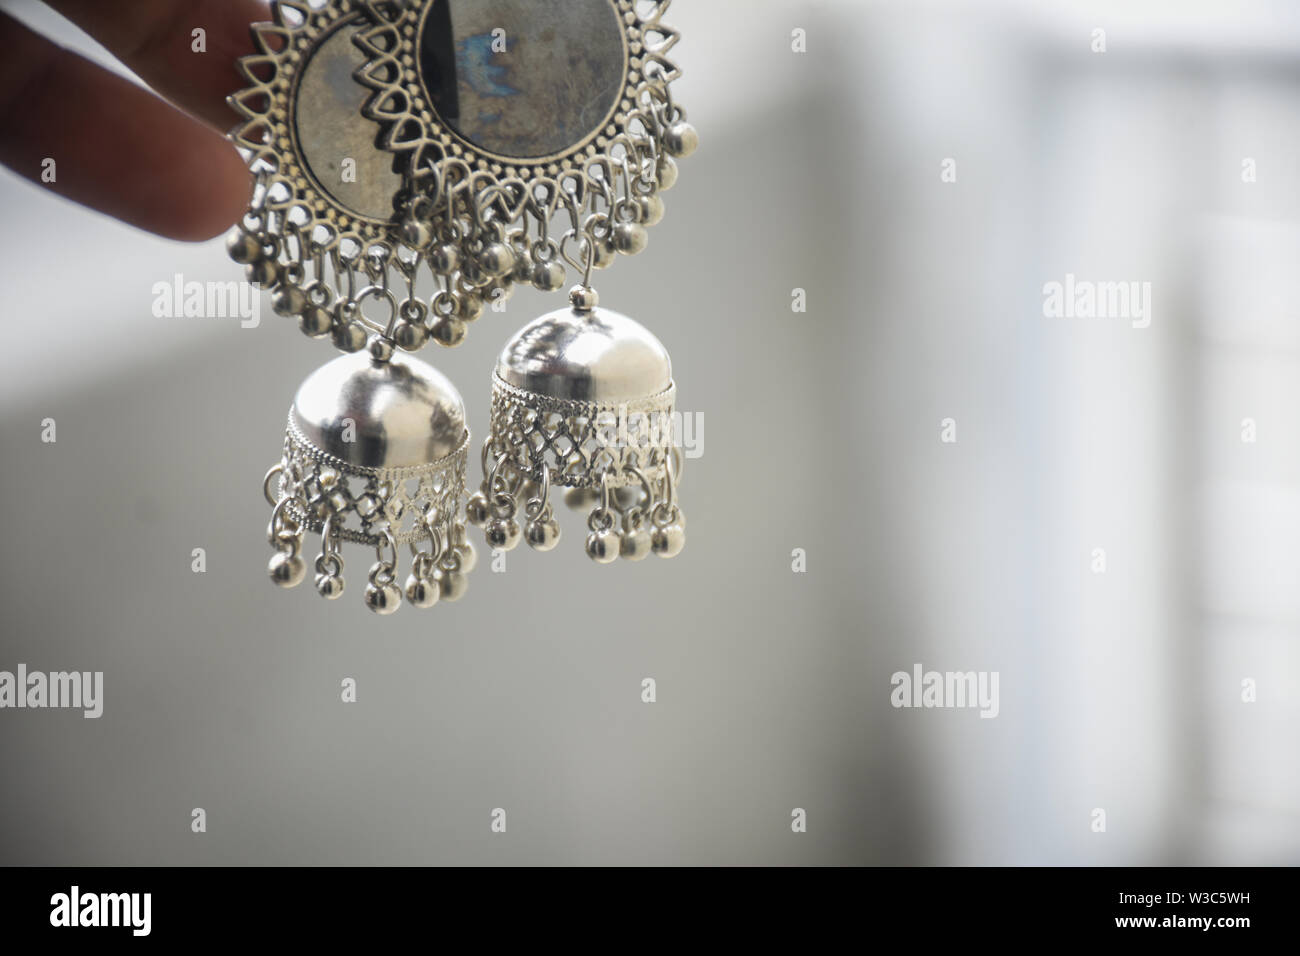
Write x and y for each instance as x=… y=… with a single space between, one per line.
x=582 y=398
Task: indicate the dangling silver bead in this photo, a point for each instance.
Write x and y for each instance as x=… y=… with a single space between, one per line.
x=650 y=210
x=581 y=499
x=542 y=535
x=288 y=300
x=603 y=545
x=681 y=139
x=605 y=254
x=329 y=586
x=383 y=598
x=448 y=331
x=316 y=321
x=452 y=585
x=287 y=569
x=548 y=276
x=630 y=238
x=502 y=534
x=634 y=545
x=263 y=272
x=525 y=267
x=496 y=259
x=444 y=259
x=350 y=337
x=667 y=541
x=416 y=233
x=421 y=593
x=243 y=247
x=666 y=172
x=477 y=510
x=470 y=307
x=410 y=336
x=468 y=557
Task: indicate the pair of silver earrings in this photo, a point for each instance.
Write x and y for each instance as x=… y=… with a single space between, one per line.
x=414 y=160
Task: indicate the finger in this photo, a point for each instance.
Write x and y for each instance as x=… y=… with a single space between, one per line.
x=157 y=40
x=115 y=147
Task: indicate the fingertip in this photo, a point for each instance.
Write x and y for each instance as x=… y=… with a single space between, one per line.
x=216 y=203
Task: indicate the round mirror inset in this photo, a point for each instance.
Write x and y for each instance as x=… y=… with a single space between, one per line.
x=336 y=142
x=523 y=79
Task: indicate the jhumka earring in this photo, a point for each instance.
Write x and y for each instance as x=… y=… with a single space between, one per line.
x=413 y=161
x=582 y=398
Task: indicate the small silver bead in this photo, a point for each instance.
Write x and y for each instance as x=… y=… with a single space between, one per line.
x=524 y=266
x=477 y=510
x=548 y=276
x=605 y=254
x=243 y=247
x=448 y=331
x=468 y=557
x=496 y=259
x=287 y=570
x=410 y=336
x=603 y=546
x=381 y=350
x=667 y=542
x=263 y=272
x=502 y=534
x=452 y=585
x=416 y=233
x=444 y=259
x=630 y=238
x=288 y=301
x=681 y=139
x=581 y=499
x=542 y=535
x=666 y=172
x=316 y=321
x=421 y=593
x=350 y=337
x=329 y=586
x=470 y=308
x=650 y=210
x=583 y=298
x=383 y=599
x=634 y=545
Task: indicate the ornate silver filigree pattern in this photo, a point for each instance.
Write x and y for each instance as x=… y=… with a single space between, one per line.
x=580 y=443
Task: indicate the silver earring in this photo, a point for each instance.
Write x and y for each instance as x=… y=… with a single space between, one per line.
x=376 y=443
x=583 y=400
x=374 y=453
x=406 y=178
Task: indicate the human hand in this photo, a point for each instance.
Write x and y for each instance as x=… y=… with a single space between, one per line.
x=119 y=148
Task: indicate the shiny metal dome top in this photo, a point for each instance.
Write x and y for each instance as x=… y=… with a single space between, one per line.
x=404 y=412
x=586 y=355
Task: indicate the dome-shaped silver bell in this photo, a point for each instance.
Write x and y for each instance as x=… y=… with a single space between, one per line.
x=582 y=398
x=374 y=453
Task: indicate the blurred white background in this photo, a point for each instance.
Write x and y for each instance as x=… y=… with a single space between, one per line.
x=821 y=171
